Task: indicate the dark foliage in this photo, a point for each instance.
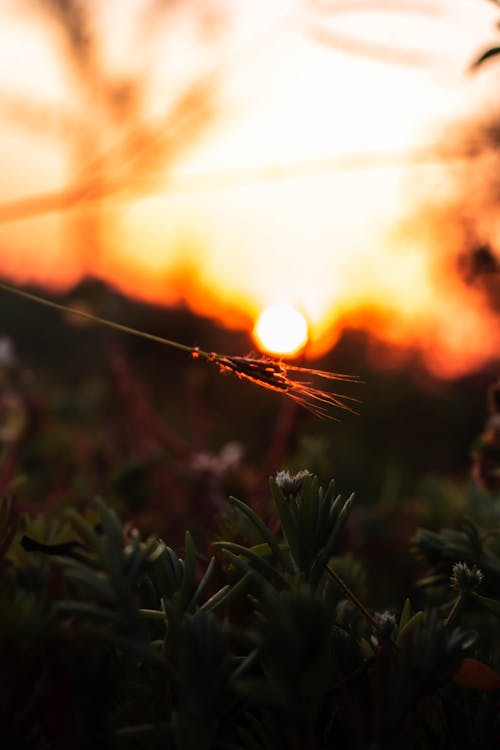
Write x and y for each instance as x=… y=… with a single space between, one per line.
x=112 y=640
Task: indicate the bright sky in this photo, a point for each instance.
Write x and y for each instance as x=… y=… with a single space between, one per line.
x=262 y=210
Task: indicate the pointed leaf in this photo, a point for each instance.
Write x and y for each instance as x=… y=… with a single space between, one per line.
x=134 y=646
x=260 y=565
x=87 y=610
x=136 y=561
x=152 y=614
x=491 y=604
x=84 y=529
x=405 y=614
x=112 y=542
x=325 y=503
x=217 y=599
x=412 y=624
x=287 y=517
x=111 y=525
x=329 y=548
x=203 y=584
x=80 y=573
x=188 y=578
x=487 y=55
x=307 y=528
x=261 y=527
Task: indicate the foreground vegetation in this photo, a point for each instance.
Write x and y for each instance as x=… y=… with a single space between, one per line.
x=259 y=636
x=297 y=619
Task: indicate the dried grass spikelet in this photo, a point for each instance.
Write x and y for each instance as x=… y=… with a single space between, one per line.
x=286 y=378
x=295 y=382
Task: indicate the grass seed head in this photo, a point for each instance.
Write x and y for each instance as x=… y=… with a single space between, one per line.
x=295 y=382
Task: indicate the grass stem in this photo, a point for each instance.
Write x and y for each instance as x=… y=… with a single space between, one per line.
x=102 y=321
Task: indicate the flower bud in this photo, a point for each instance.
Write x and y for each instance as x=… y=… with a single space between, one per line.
x=291 y=484
x=464 y=579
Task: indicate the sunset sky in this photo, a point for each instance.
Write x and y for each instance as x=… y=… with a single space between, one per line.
x=317 y=162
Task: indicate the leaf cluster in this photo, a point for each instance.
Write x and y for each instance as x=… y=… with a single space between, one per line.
x=270 y=645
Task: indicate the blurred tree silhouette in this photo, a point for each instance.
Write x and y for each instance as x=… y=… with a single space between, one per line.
x=113 y=139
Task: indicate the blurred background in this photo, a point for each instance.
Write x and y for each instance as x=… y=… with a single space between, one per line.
x=182 y=167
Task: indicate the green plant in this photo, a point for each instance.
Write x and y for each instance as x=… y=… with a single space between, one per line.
x=278 y=648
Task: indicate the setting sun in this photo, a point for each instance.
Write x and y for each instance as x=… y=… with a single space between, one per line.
x=234 y=167
x=281 y=329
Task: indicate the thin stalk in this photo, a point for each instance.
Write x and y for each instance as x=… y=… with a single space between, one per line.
x=274 y=374
x=152 y=614
x=353 y=598
x=359 y=606
x=457 y=606
x=103 y=321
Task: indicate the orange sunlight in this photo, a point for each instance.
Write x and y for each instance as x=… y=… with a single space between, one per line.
x=253 y=161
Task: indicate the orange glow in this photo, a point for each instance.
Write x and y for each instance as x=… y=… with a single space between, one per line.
x=281 y=329
x=260 y=185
